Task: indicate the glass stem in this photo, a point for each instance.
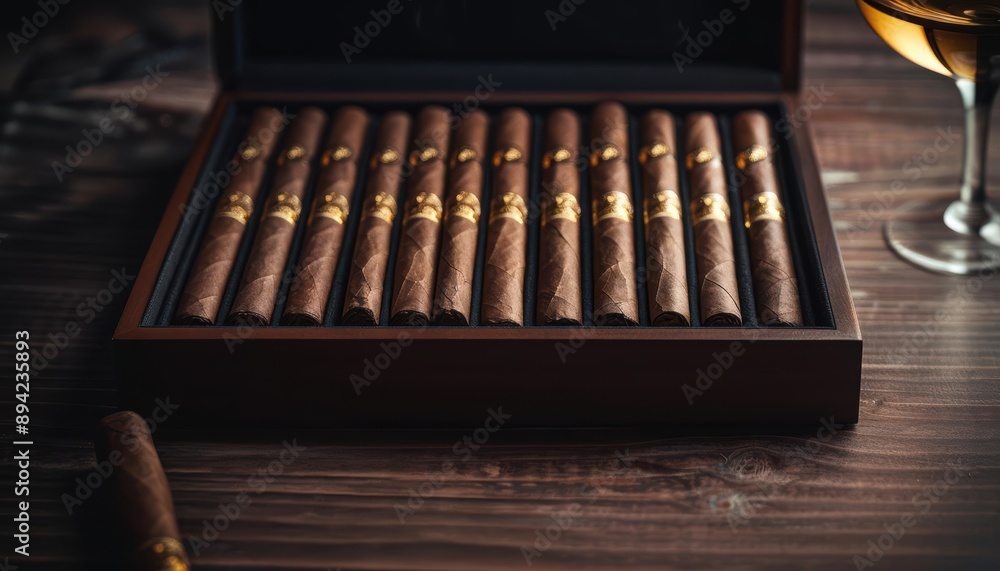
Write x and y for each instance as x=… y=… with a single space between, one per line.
x=971 y=212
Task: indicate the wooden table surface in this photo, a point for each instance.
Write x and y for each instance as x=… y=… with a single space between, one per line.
x=918 y=477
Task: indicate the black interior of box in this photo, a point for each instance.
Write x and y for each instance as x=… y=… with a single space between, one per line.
x=816 y=309
x=709 y=45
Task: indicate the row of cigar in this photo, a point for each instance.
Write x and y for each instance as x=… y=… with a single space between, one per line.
x=435 y=166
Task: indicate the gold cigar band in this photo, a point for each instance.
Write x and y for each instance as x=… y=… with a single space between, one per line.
x=509 y=205
x=699 y=156
x=464 y=155
x=420 y=156
x=556 y=155
x=334 y=206
x=464 y=205
x=286 y=206
x=654 y=151
x=614 y=204
x=250 y=152
x=763 y=206
x=236 y=205
x=423 y=205
x=336 y=154
x=563 y=205
x=754 y=154
x=382 y=205
x=163 y=554
x=663 y=204
x=387 y=156
x=294 y=153
x=608 y=152
x=709 y=206
x=507 y=155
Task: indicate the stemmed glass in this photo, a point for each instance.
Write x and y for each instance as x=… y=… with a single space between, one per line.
x=960 y=40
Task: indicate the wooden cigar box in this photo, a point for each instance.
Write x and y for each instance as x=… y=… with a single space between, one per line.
x=722 y=56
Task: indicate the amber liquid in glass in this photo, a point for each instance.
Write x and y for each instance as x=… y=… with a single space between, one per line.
x=960 y=40
x=956 y=39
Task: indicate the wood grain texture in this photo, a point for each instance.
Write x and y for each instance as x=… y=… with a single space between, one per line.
x=738 y=499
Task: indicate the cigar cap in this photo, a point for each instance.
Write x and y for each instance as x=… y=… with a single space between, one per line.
x=609 y=126
x=561 y=148
x=347 y=135
x=657 y=128
x=702 y=132
x=513 y=134
x=431 y=134
x=391 y=137
x=751 y=128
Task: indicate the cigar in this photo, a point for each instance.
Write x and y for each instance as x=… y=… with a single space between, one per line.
x=324 y=237
x=666 y=269
x=616 y=299
x=262 y=277
x=371 y=253
x=199 y=304
x=507 y=235
x=453 y=294
x=775 y=287
x=560 y=300
x=718 y=292
x=142 y=493
x=419 y=242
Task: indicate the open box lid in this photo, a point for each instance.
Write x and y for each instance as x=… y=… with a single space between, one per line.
x=521 y=45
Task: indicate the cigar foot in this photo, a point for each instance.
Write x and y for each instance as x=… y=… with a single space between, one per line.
x=300 y=320
x=564 y=322
x=359 y=316
x=618 y=320
x=501 y=323
x=410 y=319
x=192 y=320
x=248 y=319
x=451 y=318
x=671 y=319
x=724 y=320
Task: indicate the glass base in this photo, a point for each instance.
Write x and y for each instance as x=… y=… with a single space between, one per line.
x=921 y=236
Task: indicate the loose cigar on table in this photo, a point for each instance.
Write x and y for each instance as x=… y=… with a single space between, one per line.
x=666 y=269
x=560 y=299
x=142 y=493
x=775 y=287
x=199 y=304
x=718 y=292
x=366 y=283
x=420 y=239
x=616 y=298
x=453 y=293
x=262 y=276
x=324 y=238
x=507 y=233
